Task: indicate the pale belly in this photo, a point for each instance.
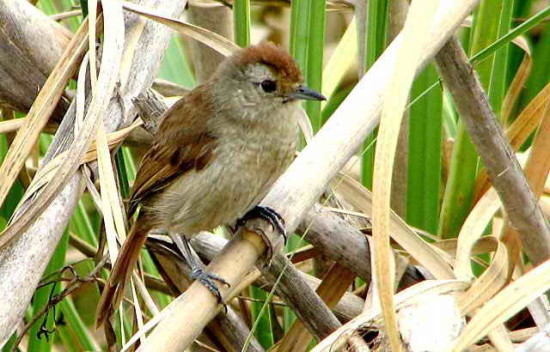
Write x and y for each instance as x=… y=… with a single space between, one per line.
x=224 y=191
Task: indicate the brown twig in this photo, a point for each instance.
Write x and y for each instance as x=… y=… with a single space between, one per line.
x=507 y=177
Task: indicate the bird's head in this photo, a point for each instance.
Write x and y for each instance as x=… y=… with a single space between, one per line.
x=265 y=74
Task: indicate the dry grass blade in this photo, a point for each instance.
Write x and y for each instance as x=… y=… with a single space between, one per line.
x=472 y=230
x=519 y=131
x=519 y=80
x=341 y=60
x=40 y=112
x=424 y=253
x=537 y=166
x=505 y=304
x=106 y=83
x=213 y=40
x=12 y=125
x=415 y=33
x=47 y=172
x=482 y=246
x=489 y=283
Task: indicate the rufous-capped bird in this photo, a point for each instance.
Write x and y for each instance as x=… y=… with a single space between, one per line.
x=217 y=152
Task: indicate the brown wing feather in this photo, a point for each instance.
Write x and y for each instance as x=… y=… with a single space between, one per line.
x=182 y=143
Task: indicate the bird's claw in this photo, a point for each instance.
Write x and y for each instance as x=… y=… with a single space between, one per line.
x=267 y=214
x=207 y=280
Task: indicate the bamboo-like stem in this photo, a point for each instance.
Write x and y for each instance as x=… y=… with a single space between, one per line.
x=23 y=261
x=304 y=181
x=507 y=177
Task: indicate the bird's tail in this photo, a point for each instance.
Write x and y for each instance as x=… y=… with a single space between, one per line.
x=125 y=263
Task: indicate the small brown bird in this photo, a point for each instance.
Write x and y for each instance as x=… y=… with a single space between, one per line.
x=217 y=152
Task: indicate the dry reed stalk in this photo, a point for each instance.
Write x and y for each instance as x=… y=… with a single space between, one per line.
x=26 y=59
x=302 y=184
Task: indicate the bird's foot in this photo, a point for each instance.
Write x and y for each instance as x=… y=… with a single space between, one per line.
x=207 y=279
x=267 y=214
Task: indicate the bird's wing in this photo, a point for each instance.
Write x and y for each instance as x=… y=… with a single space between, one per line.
x=183 y=143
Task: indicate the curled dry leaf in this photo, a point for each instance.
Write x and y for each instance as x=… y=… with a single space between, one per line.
x=504 y=305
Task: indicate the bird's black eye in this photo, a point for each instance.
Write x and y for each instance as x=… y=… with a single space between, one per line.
x=268 y=86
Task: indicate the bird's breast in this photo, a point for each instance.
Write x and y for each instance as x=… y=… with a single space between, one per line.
x=241 y=172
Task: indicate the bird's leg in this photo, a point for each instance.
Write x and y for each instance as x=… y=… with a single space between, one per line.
x=197 y=267
x=267 y=214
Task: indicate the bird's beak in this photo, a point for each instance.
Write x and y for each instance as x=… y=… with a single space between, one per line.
x=306 y=93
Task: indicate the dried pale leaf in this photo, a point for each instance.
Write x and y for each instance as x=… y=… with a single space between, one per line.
x=40 y=112
x=137 y=309
x=472 y=230
x=482 y=246
x=537 y=165
x=427 y=255
x=489 y=283
x=416 y=32
x=46 y=173
x=92 y=15
x=209 y=38
x=501 y=340
x=305 y=125
x=505 y=304
x=341 y=60
x=11 y=125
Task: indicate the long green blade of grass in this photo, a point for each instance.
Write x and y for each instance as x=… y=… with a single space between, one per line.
x=316 y=46
x=424 y=169
x=507 y=38
x=241 y=22
x=497 y=86
x=264 y=331
x=376 y=28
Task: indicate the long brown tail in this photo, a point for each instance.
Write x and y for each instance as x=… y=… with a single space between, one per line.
x=122 y=269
